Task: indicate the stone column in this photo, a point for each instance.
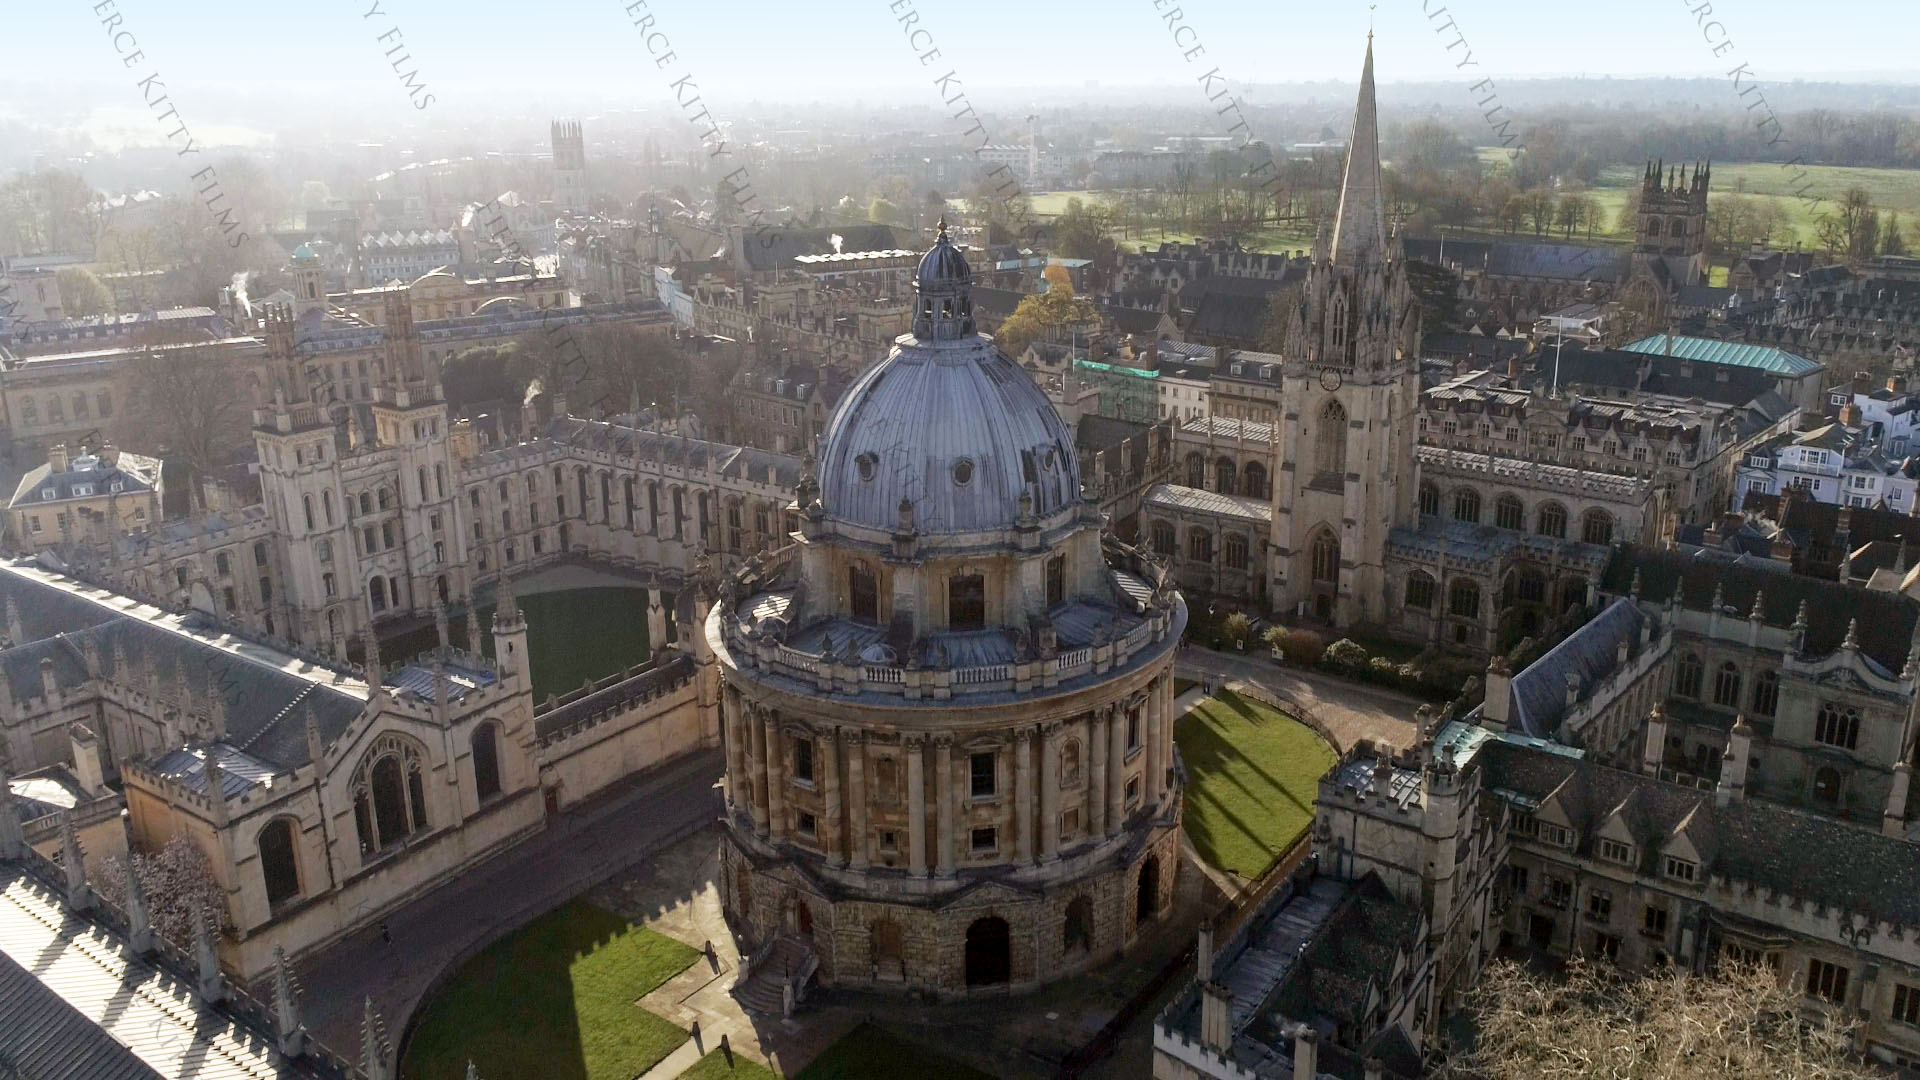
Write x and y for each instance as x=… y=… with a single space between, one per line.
x=1022 y=794
x=1050 y=790
x=831 y=831
x=776 y=780
x=736 y=771
x=857 y=798
x=756 y=739
x=1116 y=768
x=916 y=807
x=1096 y=774
x=943 y=804
x=1150 y=735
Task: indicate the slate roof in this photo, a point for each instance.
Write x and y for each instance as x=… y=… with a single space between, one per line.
x=1177 y=499
x=1765 y=844
x=77 y=1004
x=777 y=248
x=1353 y=953
x=1221 y=427
x=134 y=473
x=740 y=462
x=1738 y=354
x=1654 y=373
x=259 y=687
x=1885 y=620
x=1539 y=691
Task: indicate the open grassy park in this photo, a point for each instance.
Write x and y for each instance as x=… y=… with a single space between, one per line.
x=556 y=1000
x=1253 y=772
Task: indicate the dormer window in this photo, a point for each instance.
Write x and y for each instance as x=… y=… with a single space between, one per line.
x=48 y=493
x=1555 y=835
x=1680 y=869
x=1615 y=851
x=81 y=491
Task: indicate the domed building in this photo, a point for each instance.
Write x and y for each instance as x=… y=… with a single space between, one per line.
x=948 y=704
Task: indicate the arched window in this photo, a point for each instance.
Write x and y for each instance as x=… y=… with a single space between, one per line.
x=1552 y=521
x=1429 y=498
x=1677 y=227
x=389 y=794
x=1653 y=226
x=1330 y=441
x=1236 y=551
x=1253 y=482
x=1686 y=676
x=1766 y=692
x=279 y=864
x=1324 y=554
x=1466 y=506
x=1223 y=476
x=1070 y=763
x=1463 y=599
x=1596 y=527
x=1196 y=470
x=1337 y=327
x=803 y=759
x=326 y=506
x=486 y=761
x=1163 y=538
x=862 y=595
x=1199 y=545
x=1837 y=725
x=306 y=503
x=1726 y=686
x=1509 y=513
x=1420 y=591
x=366 y=501
x=385 y=498
x=377 y=594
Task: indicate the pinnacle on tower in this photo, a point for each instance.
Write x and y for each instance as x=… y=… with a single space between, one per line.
x=1360 y=225
x=292 y=1035
x=373 y=1055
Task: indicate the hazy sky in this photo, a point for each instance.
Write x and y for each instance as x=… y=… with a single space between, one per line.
x=468 y=53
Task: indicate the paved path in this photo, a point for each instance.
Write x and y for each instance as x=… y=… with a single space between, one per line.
x=1351 y=711
x=463 y=915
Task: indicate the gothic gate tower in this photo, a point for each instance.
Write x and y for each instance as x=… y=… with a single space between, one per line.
x=1350 y=393
x=569 y=166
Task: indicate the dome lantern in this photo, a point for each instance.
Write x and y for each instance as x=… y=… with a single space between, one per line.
x=943 y=307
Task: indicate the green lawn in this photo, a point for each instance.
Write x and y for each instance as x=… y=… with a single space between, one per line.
x=1252 y=773
x=868 y=1053
x=714 y=1067
x=556 y=1000
x=580 y=634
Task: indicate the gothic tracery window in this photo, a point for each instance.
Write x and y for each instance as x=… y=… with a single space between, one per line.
x=1330 y=440
x=389 y=794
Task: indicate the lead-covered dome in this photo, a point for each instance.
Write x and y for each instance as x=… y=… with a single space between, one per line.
x=947 y=424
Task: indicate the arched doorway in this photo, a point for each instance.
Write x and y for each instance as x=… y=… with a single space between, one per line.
x=989 y=952
x=1147 y=901
x=1076 y=935
x=889 y=951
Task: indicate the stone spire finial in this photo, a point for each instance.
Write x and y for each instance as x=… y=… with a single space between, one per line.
x=506 y=613
x=212 y=986
x=15 y=634
x=139 y=920
x=376 y=674
x=373 y=1056
x=291 y=1033
x=216 y=784
x=316 y=746
x=1359 y=226
x=1852 y=641
x=1759 y=605
x=473 y=1073
x=1633 y=590
x=13 y=842
x=216 y=707
x=440 y=628
x=74 y=862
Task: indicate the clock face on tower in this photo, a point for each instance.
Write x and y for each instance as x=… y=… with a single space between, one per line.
x=1329 y=379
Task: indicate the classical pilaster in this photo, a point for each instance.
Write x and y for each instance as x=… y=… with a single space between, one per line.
x=916 y=807
x=1022 y=794
x=776 y=780
x=1116 y=769
x=1050 y=790
x=857 y=798
x=756 y=731
x=831 y=832
x=739 y=787
x=1149 y=706
x=1096 y=774
x=944 y=804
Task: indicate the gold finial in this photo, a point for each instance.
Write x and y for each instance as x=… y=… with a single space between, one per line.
x=942 y=226
x=1370 y=8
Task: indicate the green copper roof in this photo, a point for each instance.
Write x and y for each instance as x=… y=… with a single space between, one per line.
x=1095 y=365
x=1733 y=353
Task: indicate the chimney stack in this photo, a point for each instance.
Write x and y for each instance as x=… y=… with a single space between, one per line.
x=57 y=457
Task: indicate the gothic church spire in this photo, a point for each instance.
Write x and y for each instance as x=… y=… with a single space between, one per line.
x=1360 y=225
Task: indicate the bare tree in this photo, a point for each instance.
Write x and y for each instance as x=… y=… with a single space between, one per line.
x=177 y=881
x=185 y=402
x=1741 y=1023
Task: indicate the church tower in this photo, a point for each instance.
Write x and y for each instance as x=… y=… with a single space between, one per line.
x=1672 y=223
x=569 y=167
x=1349 y=399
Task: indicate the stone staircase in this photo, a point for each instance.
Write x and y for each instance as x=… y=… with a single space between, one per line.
x=785 y=957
